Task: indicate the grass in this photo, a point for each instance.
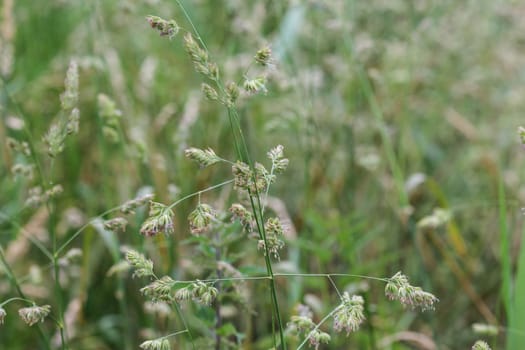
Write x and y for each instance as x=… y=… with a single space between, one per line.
x=365 y=98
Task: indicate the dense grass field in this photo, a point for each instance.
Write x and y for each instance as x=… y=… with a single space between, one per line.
x=256 y=176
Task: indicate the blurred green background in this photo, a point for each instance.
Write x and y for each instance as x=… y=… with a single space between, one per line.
x=387 y=110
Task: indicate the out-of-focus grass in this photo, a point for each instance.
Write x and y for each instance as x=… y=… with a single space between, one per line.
x=446 y=78
x=517 y=320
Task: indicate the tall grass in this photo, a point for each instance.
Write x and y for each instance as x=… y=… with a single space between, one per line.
x=385 y=110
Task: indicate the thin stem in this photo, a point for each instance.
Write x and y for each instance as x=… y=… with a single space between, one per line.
x=393 y=163
x=109 y=211
x=174 y=334
x=335 y=286
x=16 y=285
x=270 y=272
x=188 y=18
x=266 y=277
x=10 y=273
x=332 y=275
x=267 y=189
x=243 y=154
x=218 y=317
x=258 y=215
x=56 y=270
x=377 y=112
x=29 y=237
x=226 y=161
x=231 y=119
x=29 y=136
x=17 y=299
x=44 y=183
x=79 y=231
x=183 y=320
x=58 y=293
x=123 y=305
x=214 y=280
x=319 y=325
x=245 y=74
x=371 y=330
x=181 y=316
x=27 y=276
x=199 y=193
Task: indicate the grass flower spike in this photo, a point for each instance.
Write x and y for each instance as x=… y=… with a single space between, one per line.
x=210 y=93
x=264 y=56
x=159 y=290
x=116 y=224
x=350 y=313
x=201 y=218
x=245 y=217
x=143 y=267
x=160 y=220
x=130 y=206
x=3 y=314
x=279 y=163
x=232 y=92
x=399 y=288
x=204 y=158
x=204 y=293
x=274 y=232
x=156 y=344
x=480 y=345
x=164 y=27
x=34 y=314
x=200 y=58
x=317 y=337
x=69 y=98
x=521 y=133
x=255 y=85
x=58 y=131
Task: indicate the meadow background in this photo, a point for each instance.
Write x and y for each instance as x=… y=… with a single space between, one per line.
x=386 y=109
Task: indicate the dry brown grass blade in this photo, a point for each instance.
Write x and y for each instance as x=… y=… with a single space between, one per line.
x=7 y=36
x=18 y=248
x=417 y=340
x=461 y=124
x=453 y=232
x=462 y=277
